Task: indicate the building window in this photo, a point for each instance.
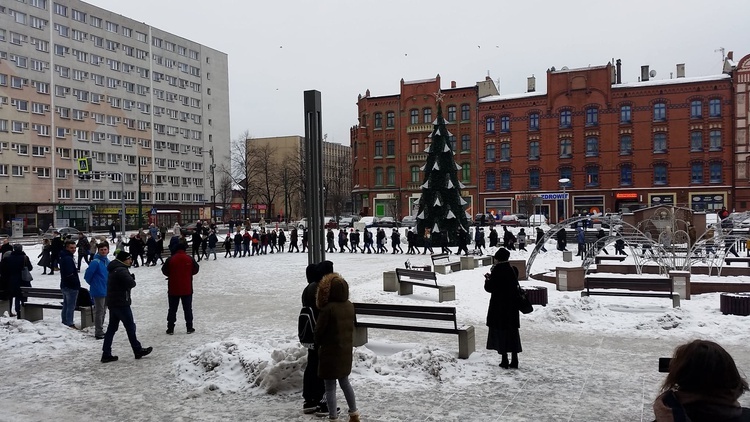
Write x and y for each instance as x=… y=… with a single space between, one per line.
x=505 y=124
x=714 y=140
x=534 y=121
x=715 y=172
x=592 y=147
x=505 y=151
x=592 y=116
x=378 y=120
x=378 y=149
x=415 y=173
x=592 y=176
x=465 y=143
x=534 y=150
x=465 y=112
x=414 y=116
x=534 y=179
x=465 y=172
x=452 y=142
x=490 y=179
x=714 y=107
x=451 y=113
x=378 y=176
x=567 y=173
x=626 y=145
x=566 y=148
x=625 y=116
x=390 y=119
x=505 y=180
x=490 y=125
x=626 y=175
x=696 y=141
x=696 y=173
x=566 y=117
x=427 y=144
x=427 y=113
x=660 y=112
x=415 y=146
x=63 y=194
x=660 y=174
x=391 y=173
x=391 y=148
x=696 y=109
x=489 y=153
x=660 y=143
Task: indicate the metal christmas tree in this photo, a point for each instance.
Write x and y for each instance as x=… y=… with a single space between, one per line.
x=441 y=207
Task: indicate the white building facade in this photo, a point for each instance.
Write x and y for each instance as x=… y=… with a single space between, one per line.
x=150 y=108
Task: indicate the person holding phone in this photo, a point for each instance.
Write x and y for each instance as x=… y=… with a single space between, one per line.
x=703 y=384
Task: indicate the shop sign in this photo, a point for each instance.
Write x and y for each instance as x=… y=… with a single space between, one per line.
x=662 y=199
x=554 y=196
x=235 y=206
x=626 y=195
x=45 y=209
x=74 y=207
x=118 y=211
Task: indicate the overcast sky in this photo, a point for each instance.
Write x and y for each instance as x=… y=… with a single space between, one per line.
x=279 y=49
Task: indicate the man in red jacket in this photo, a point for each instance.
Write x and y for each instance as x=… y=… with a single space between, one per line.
x=180 y=269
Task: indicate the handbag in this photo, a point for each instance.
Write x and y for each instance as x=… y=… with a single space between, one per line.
x=26 y=275
x=524 y=304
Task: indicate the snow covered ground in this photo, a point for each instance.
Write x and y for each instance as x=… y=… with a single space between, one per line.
x=584 y=359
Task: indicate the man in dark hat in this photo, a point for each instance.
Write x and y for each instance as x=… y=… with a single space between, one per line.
x=313 y=388
x=119 y=283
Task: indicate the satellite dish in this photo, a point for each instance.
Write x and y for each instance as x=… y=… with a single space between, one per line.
x=652 y=73
x=564 y=68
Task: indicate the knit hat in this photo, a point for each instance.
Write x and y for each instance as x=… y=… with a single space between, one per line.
x=122 y=256
x=502 y=254
x=325 y=268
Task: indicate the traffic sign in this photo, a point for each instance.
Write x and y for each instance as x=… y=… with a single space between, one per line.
x=84 y=165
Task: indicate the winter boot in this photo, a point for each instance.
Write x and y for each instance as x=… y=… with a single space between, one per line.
x=514 y=361
x=354 y=416
x=504 y=362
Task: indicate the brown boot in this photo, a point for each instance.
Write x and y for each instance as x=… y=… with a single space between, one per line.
x=354 y=416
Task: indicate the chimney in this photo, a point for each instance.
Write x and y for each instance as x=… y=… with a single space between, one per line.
x=453 y=84
x=619 y=71
x=644 y=73
x=730 y=55
x=531 y=84
x=681 y=70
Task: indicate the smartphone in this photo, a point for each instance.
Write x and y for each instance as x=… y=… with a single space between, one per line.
x=664 y=364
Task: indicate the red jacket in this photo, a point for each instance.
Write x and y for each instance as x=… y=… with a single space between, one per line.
x=180 y=269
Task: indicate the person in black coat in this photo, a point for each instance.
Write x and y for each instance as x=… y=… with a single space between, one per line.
x=281 y=240
x=196 y=244
x=493 y=237
x=462 y=239
x=509 y=240
x=293 y=240
x=305 y=237
x=502 y=315
x=10 y=277
x=562 y=241
x=150 y=251
x=56 y=246
x=313 y=389
x=600 y=235
x=135 y=247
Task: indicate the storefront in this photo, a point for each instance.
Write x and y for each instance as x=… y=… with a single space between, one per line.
x=498 y=206
x=103 y=216
x=666 y=199
x=77 y=216
x=627 y=201
x=590 y=204
x=708 y=201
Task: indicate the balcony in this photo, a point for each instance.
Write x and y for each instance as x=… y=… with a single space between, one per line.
x=419 y=128
x=416 y=157
x=414 y=186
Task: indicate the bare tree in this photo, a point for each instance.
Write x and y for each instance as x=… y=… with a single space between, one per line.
x=339 y=186
x=224 y=192
x=238 y=170
x=296 y=179
x=266 y=175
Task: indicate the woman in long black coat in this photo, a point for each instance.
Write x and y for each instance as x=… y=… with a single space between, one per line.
x=502 y=316
x=10 y=278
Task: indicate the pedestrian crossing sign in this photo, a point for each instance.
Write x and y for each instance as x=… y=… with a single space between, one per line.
x=84 y=165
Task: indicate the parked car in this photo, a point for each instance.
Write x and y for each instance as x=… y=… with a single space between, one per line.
x=64 y=232
x=330 y=223
x=188 y=230
x=537 y=219
x=409 y=221
x=510 y=220
x=366 y=222
x=387 y=222
x=523 y=220
x=489 y=219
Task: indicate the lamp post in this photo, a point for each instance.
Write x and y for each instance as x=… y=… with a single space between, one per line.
x=564 y=182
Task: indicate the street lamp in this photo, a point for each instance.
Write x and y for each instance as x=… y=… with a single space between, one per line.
x=564 y=182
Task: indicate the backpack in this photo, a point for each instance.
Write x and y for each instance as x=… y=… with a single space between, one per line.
x=84 y=297
x=306 y=327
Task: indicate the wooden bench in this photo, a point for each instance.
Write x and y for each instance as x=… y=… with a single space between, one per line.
x=442 y=263
x=640 y=286
x=599 y=259
x=430 y=319
x=34 y=311
x=407 y=279
x=745 y=259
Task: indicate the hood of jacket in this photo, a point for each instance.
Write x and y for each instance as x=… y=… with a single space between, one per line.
x=115 y=264
x=332 y=288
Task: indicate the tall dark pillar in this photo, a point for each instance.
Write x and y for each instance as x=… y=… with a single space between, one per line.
x=314 y=175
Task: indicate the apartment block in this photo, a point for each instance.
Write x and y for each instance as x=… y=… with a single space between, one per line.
x=150 y=108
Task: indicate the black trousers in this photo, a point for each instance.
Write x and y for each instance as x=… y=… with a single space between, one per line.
x=313 y=387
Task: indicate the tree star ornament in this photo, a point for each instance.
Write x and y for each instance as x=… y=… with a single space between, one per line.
x=439 y=96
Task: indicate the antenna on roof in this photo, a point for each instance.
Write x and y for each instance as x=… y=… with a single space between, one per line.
x=721 y=49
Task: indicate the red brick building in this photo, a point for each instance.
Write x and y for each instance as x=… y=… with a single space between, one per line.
x=620 y=145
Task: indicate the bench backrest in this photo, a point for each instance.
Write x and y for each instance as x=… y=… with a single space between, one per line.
x=435 y=313
x=41 y=293
x=440 y=258
x=655 y=283
x=402 y=274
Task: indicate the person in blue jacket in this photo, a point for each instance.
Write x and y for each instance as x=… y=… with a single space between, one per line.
x=96 y=276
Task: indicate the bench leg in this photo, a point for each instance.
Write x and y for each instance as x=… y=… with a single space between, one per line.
x=675 y=300
x=87 y=318
x=466 y=343
x=446 y=293
x=405 y=289
x=32 y=313
x=441 y=269
x=360 y=336
x=584 y=293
